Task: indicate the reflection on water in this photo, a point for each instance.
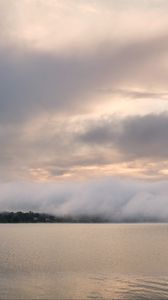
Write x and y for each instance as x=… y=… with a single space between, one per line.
x=130 y=288
x=83 y=286
x=80 y=261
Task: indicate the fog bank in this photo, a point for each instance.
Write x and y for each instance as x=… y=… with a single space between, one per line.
x=116 y=199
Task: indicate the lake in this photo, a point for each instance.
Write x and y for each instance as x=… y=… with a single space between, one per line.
x=83 y=261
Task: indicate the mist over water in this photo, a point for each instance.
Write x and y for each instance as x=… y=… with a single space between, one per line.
x=116 y=199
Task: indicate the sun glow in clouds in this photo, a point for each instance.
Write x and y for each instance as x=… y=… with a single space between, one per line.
x=83 y=91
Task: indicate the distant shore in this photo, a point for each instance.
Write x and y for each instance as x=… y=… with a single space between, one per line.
x=36 y=217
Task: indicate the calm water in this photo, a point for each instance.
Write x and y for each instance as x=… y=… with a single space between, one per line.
x=83 y=261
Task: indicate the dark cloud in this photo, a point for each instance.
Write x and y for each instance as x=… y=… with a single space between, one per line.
x=32 y=83
x=135 y=137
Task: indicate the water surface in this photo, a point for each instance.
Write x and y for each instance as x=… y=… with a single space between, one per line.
x=84 y=261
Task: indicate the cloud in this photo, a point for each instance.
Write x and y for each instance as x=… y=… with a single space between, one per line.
x=60 y=71
x=36 y=83
x=66 y=149
x=33 y=82
x=135 y=94
x=135 y=137
x=116 y=199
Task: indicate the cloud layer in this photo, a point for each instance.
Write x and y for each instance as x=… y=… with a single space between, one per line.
x=135 y=137
x=33 y=83
x=83 y=96
x=73 y=148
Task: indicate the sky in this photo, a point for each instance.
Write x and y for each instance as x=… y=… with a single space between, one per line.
x=84 y=107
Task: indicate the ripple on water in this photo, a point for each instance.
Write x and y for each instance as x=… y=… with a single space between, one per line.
x=103 y=287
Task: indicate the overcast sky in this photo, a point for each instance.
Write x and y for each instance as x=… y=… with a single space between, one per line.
x=84 y=105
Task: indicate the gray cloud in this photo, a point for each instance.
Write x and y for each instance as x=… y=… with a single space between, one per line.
x=116 y=199
x=135 y=137
x=36 y=82
x=70 y=147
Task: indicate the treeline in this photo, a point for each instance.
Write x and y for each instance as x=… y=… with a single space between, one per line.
x=25 y=217
x=31 y=217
